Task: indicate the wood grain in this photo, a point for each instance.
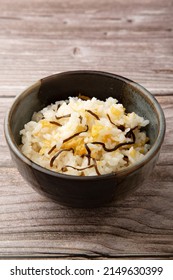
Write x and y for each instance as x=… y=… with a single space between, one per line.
x=130 y=38
x=139 y=225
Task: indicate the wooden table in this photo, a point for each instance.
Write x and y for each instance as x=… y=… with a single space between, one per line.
x=131 y=38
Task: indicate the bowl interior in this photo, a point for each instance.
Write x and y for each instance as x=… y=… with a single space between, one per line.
x=93 y=84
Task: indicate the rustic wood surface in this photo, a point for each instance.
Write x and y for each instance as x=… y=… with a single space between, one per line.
x=132 y=38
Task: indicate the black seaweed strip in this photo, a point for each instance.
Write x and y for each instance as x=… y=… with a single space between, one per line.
x=51 y=150
x=79 y=169
x=83 y=97
x=121 y=127
x=55 y=156
x=80 y=117
x=128 y=134
x=89 y=153
x=56 y=123
x=74 y=135
x=61 y=117
x=96 y=167
x=93 y=114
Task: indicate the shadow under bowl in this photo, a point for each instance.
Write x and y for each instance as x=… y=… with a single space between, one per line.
x=89 y=191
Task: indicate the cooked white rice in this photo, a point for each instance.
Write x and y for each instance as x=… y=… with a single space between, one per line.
x=60 y=137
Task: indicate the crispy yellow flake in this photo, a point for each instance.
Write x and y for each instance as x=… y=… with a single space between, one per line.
x=89 y=119
x=42 y=150
x=36 y=147
x=77 y=144
x=46 y=142
x=48 y=124
x=132 y=152
x=142 y=151
x=106 y=138
x=96 y=129
x=117 y=112
x=36 y=133
x=45 y=123
x=80 y=150
x=96 y=154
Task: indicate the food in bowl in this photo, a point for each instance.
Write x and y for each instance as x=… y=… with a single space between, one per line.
x=85 y=191
x=85 y=137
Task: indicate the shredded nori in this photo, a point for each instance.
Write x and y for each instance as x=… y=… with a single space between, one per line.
x=110 y=120
x=92 y=113
x=96 y=167
x=89 y=159
x=125 y=158
x=83 y=168
x=76 y=134
x=56 y=123
x=64 y=116
x=83 y=97
x=89 y=153
x=58 y=106
x=78 y=169
x=128 y=134
x=52 y=149
x=56 y=155
x=121 y=127
x=80 y=117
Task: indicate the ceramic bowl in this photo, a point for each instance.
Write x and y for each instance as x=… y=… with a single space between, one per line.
x=91 y=191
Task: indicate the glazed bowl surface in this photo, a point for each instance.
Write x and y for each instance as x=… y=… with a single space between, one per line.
x=88 y=191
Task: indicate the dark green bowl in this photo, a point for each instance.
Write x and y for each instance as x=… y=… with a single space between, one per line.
x=89 y=191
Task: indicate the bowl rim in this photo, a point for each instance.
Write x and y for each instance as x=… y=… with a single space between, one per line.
x=130 y=169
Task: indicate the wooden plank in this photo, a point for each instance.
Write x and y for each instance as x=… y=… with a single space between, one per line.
x=28 y=68
x=140 y=225
x=131 y=38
